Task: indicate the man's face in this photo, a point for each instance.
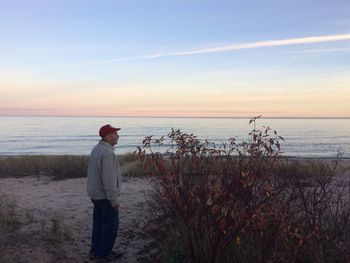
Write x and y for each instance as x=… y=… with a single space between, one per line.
x=112 y=138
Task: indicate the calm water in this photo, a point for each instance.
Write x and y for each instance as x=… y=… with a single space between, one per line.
x=77 y=135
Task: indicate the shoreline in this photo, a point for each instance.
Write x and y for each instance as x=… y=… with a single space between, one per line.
x=165 y=155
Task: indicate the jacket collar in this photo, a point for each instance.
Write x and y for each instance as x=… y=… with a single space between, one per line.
x=106 y=144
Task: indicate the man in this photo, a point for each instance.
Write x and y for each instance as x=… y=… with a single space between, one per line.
x=103 y=187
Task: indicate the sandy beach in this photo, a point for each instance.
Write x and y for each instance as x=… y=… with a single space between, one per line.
x=43 y=201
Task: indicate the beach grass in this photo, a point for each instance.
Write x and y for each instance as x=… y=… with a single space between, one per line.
x=59 y=166
x=127 y=158
x=8 y=214
x=8 y=223
x=16 y=231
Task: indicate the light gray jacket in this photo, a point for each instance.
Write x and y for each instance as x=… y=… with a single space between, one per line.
x=104 y=176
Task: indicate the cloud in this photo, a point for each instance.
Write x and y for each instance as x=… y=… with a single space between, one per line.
x=252 y=45
x=306 y=51
x=125 y=59
x=269 y=43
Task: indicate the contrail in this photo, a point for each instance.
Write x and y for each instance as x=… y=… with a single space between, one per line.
x=268 y=43
x=125 y=59
x=252 y=45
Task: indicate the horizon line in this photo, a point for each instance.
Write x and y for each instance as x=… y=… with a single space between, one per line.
x=179 y=117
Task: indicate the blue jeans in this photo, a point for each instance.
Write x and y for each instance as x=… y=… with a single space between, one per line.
x=104 y=227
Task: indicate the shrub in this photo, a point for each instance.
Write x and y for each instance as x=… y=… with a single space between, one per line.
x=242 y=202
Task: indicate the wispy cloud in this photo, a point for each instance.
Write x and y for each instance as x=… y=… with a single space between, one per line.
x=269 y=43
x=125 y=59
x=252 y=45
x=309 y=51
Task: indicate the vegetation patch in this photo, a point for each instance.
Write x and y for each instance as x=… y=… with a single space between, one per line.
x=22 y=232
x=244 y=202
x=57 y=166
x=60 y=167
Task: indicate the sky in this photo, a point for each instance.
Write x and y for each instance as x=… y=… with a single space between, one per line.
x=177 y=58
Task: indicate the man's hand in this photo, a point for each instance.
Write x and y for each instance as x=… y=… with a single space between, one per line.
x=115 y=207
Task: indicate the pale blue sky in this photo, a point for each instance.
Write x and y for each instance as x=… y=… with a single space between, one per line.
x=175 y=58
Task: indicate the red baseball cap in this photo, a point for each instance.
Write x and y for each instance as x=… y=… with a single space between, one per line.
x=107 y=129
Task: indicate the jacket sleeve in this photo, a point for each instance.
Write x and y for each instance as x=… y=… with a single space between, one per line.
x=109 y=177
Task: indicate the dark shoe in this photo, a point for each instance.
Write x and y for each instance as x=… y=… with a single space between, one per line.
x=116 y=254
x=92 y=254
x=110 y=258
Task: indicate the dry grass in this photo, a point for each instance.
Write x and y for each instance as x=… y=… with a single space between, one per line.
x=8 y=215
x=127 y=158
x=60 y=166
x=8 y=223
x=134 y=169
x=20 y=228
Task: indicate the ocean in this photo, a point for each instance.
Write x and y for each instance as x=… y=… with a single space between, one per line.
x=304 y=137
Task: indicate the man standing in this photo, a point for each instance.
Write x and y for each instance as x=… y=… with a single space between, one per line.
x=103 y=187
